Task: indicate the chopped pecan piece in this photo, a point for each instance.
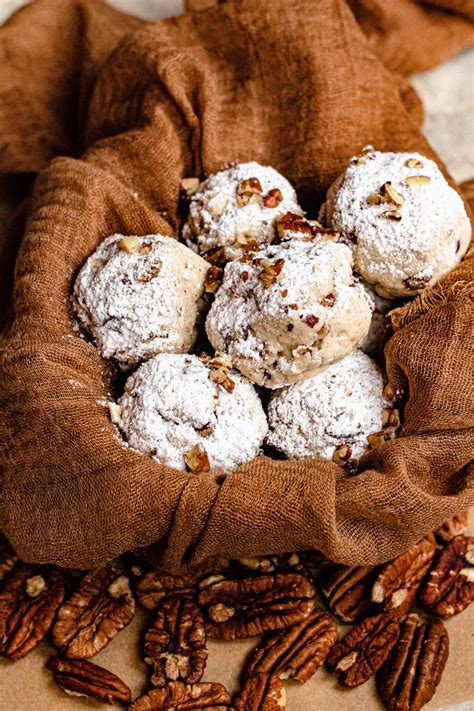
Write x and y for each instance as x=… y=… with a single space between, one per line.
x=190 y=186
x=310 y=320
x=130 y=244
x=101 y=606
x=237 y=609
x=346 y=591
x=177 y=696
x=219 y=369
x=291 y=223
x=273 y=198
x=449 y=587
x=217 y=256
x=398 y=580
x=414 y=163
x=392 y=195
x=154 y=586
x=418 y=180
x=176 y=643
x=356 y=657
x=297 y=652
x=151 y=273
x=197 y=460
x=417 y=282
x=249 y=191
x=328 y=301
x=261 y=692
x=271 y=271
x=248 y=242
x=81 y=678
x=366 y=154
x=393 y=215
x=213 y=279
x=8 y=558
x=454 y=527
x=409 y=678
x=28 y=604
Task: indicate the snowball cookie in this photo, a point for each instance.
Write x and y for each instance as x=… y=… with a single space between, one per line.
x=406 y=226
x=139 y=296
x=341 y=405
x=289 y=309
x=188 y=413
x=235 y=211
x=379 y=326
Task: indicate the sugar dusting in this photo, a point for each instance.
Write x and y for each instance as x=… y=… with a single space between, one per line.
x=216 y=220
x=399 y=257
x=340 y=405
x=170 y=401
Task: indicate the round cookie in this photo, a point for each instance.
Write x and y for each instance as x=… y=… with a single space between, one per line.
x=341 y=405
x=406 y=226
x=286 y=311
x=188 y=413
x=139 y=296
x=235 y=211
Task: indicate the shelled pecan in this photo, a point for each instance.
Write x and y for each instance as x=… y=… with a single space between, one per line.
x=100 y=607
x=236 y=609
x=398 y=581
x=176 y=643
x=261 y=692
x=297 y=652
x=449 y=587
x=454 y=527
x=28 y=603
x=177 y=696
x=81 y=678
x=347 y=591
x=154 y=585
x=409 y=678
x=7 y=557
x=356 y=657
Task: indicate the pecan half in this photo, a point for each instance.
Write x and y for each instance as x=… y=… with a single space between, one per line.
x=8 y=558
x=80 y=678
x=347 y=590
x=409 y=678
x=237 y=609
x=356 y=657
x=287 y=562
x=28 y=603
x=261 y=692
x=177 y=696
x=398 y=580
x=176 y=644
x=454 y=527
x=297 y=652
x=101 y=606
x=449 y=587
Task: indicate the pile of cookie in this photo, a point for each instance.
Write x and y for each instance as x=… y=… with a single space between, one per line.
x=259 y=304
x=291 y=602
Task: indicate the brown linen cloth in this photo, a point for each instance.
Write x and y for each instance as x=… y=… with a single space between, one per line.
x=293 y=84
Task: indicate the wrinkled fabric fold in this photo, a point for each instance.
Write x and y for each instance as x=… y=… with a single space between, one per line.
x=296 y=85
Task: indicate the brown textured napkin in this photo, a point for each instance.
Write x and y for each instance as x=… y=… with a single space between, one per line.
x=133 y=107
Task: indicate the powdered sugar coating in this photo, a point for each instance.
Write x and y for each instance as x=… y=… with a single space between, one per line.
x=138 y=304
x=400 y=258
x=313 y=314
x=216 y=219
x=171 y=398
x=342 y=404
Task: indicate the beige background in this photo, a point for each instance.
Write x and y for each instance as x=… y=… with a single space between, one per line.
x=448 y=94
